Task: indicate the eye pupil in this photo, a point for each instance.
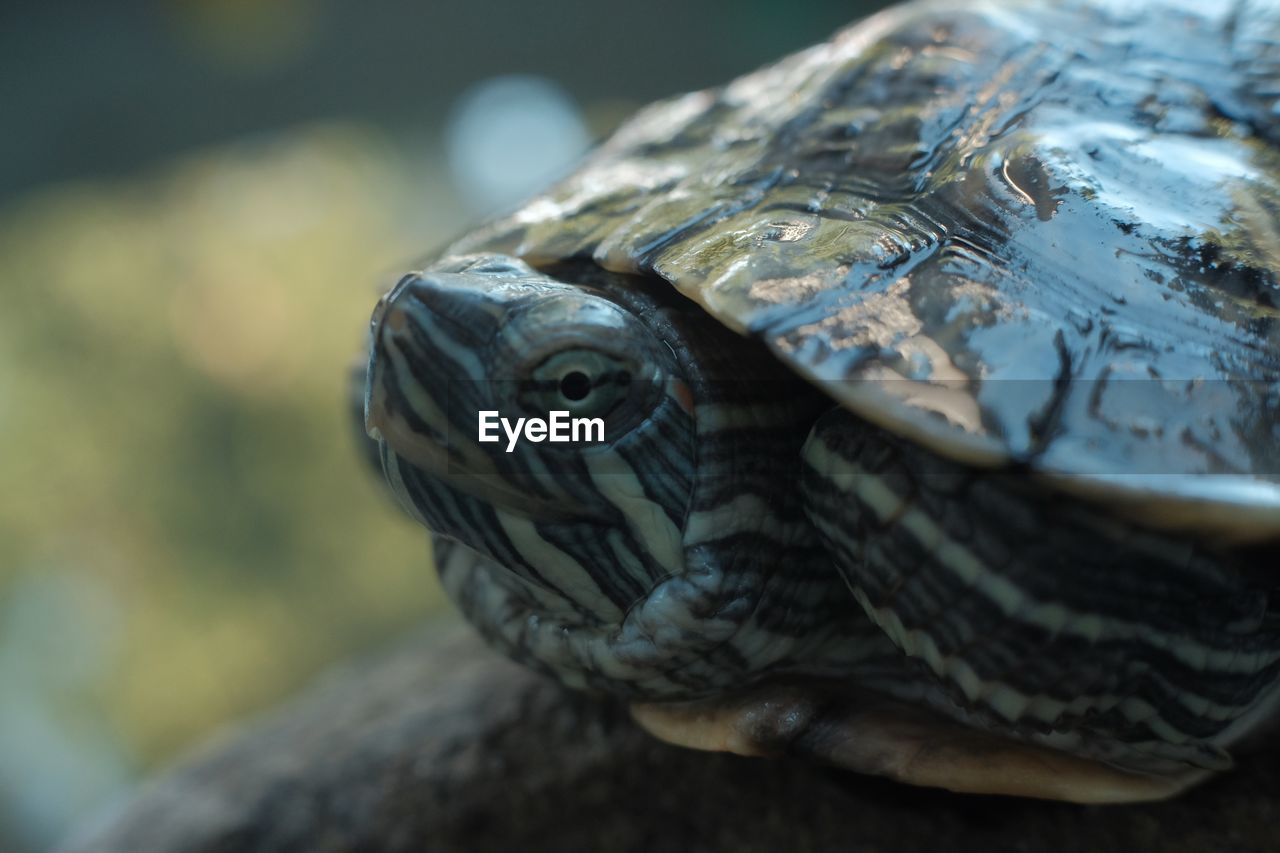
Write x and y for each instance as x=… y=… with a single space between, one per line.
x=575 y=386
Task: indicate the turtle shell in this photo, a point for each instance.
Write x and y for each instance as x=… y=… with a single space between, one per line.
x=1041 y=234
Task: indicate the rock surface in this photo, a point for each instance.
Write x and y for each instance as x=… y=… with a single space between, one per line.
x=439 y=744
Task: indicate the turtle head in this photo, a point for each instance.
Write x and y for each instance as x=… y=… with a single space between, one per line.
x=621 y=501
x=514 y=389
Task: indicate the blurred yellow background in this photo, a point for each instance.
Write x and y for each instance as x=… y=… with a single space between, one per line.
x=199 y=204
x=186 y=529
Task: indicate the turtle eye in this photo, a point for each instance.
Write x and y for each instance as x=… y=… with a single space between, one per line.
x=575 y=386
x=584 y=383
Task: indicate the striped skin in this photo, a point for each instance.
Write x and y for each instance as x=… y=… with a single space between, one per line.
x=728 y=531
x=674 y=559
x=977 y=224
x=1034 y=615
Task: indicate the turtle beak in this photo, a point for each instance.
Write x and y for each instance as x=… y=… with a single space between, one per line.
x=375 y=411
x=388 y=414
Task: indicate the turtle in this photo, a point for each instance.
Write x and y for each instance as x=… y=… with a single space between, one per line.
x=929 y=380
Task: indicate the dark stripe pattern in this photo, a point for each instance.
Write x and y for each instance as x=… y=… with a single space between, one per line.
x=1038 y=614
x=675 y=560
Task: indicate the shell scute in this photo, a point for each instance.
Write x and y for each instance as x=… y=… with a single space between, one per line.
x=1047 y=233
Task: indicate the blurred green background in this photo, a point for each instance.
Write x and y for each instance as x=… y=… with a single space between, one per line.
x=199 y=202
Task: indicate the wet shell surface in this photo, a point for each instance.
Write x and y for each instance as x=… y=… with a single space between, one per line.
x=1036 y=233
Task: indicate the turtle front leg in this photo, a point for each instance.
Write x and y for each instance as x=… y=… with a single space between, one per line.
x=882 y=737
